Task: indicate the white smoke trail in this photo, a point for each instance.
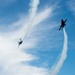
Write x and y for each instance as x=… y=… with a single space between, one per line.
x=34 y=5
x=55 y=69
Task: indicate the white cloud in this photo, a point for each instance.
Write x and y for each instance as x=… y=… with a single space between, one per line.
x=11 y=56
x=43 y=15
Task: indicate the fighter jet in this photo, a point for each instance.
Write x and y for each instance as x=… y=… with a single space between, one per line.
x=62 y=24
x=20 y=42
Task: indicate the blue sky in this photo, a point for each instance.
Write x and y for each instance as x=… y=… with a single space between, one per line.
x=39 y=21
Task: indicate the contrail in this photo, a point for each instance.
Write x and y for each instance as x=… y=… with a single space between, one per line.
x=55 y=69
x=34 y=5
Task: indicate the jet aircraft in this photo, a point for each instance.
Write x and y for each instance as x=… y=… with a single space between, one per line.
x=20 y=42
x=62 y=24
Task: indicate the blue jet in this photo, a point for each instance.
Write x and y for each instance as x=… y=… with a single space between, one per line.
x=62 y=24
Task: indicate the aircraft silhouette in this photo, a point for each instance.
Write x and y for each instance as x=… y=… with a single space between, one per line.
x=20 y=42
x=62 y=24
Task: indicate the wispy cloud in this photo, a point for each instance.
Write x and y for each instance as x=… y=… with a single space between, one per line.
x=11 y=56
